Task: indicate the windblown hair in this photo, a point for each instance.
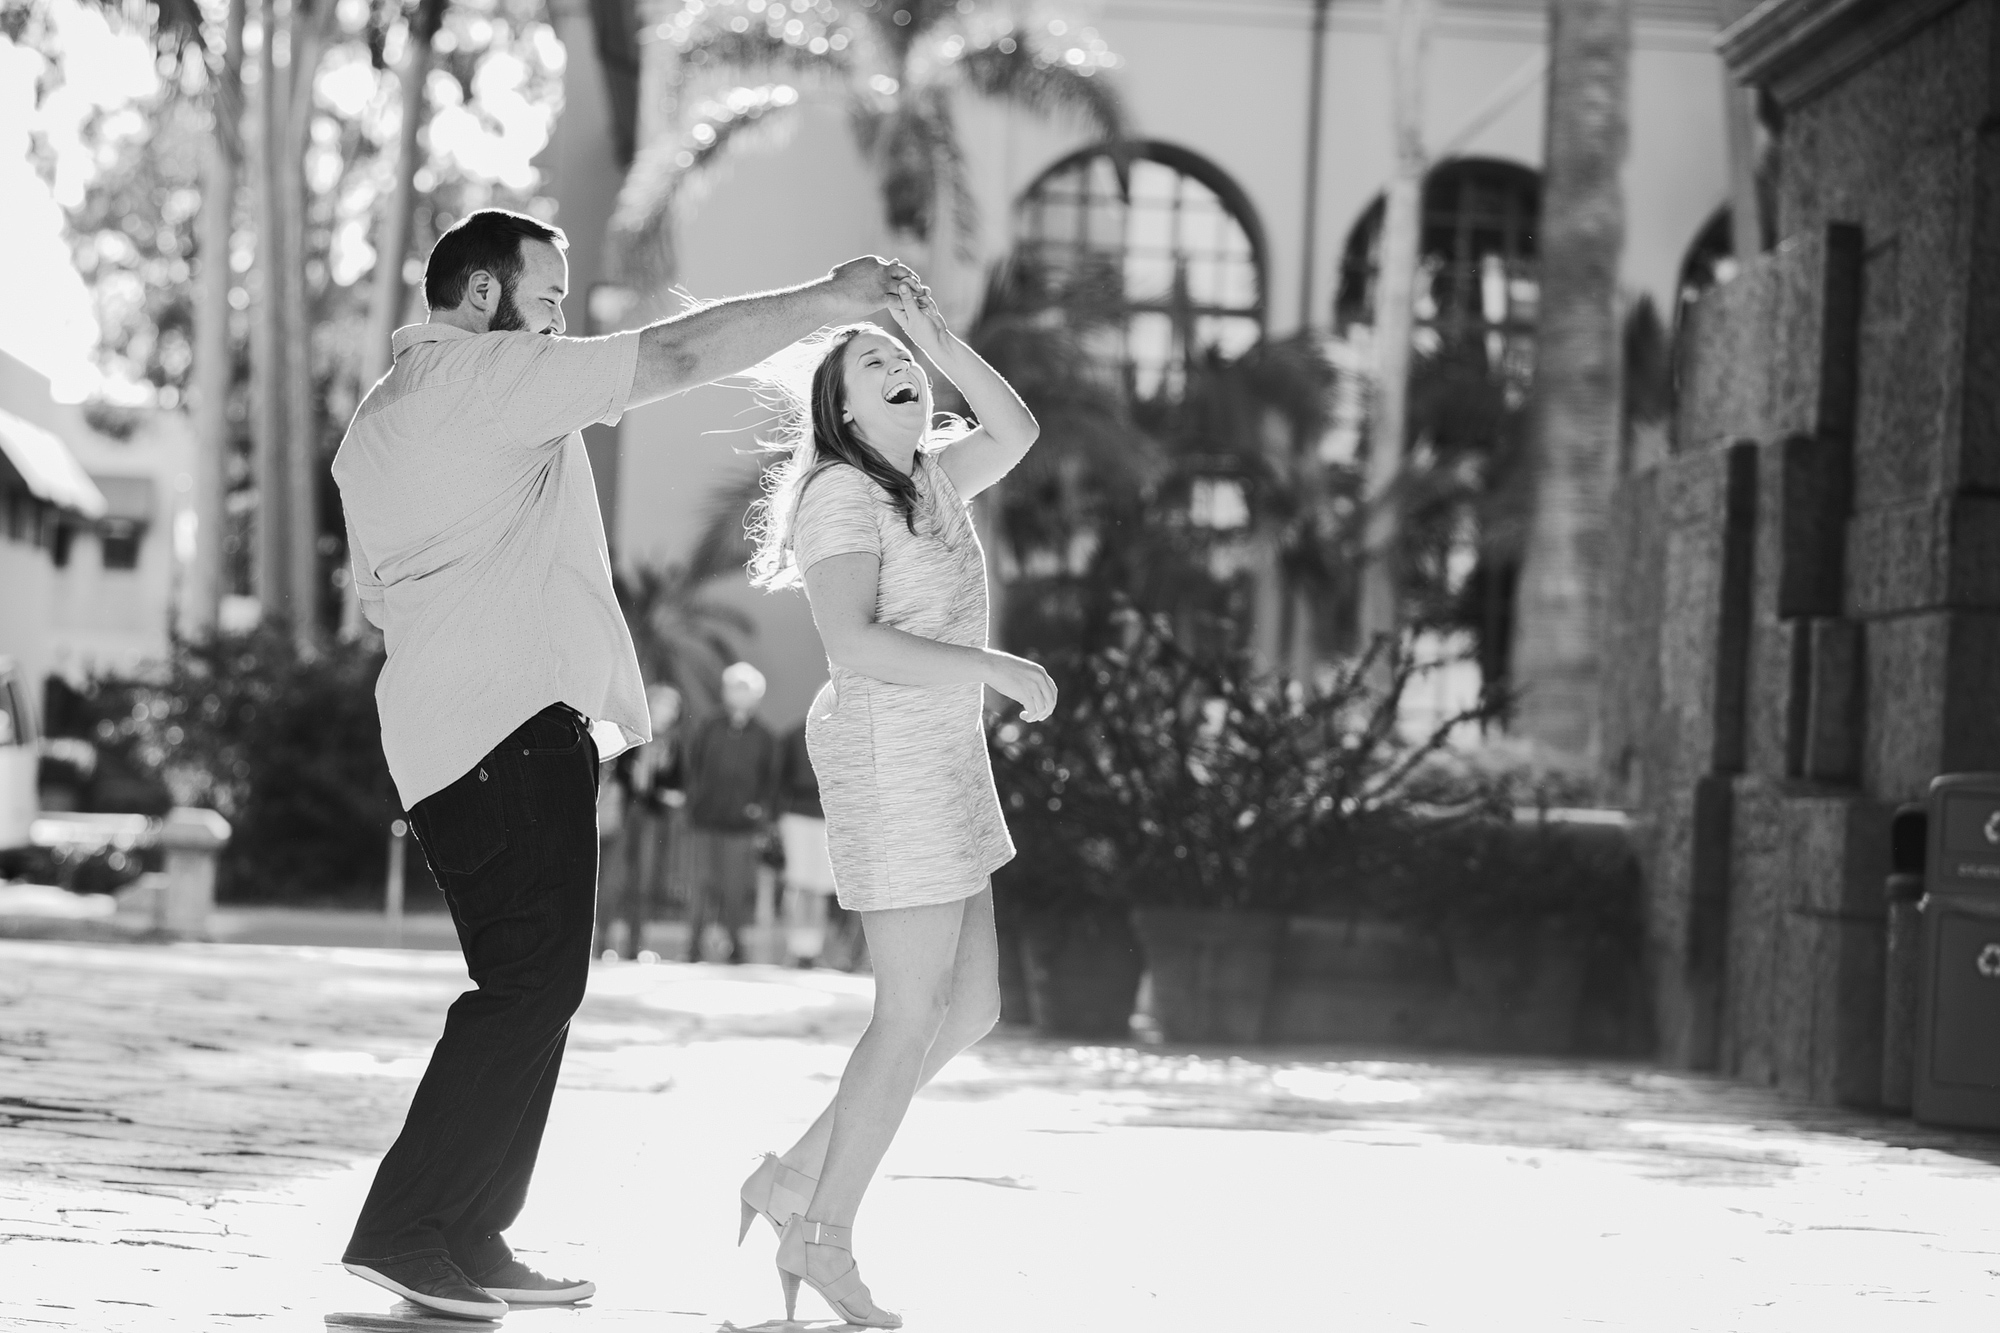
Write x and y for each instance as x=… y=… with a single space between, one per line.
x=816 y=437
x=488 y=239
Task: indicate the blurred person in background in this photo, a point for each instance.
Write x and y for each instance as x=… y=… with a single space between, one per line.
x=731 y=770
x=647 y=782
x=802 y=830
x=478 y=550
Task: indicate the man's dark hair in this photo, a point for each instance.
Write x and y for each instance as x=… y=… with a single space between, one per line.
x=489 y=239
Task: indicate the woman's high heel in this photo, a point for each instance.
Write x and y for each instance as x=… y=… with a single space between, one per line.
x=775 y=1191
x=845 y=1293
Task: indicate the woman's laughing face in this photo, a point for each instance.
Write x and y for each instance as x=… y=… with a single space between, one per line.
x=888 y=394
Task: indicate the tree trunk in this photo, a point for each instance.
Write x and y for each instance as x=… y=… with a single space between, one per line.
x=267 y=336
x=214 y=367
x=309 y=24
x=1575 y=417
x=392 y=245
x=1402 y=235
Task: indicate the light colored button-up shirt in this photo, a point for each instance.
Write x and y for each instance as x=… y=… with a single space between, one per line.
x=478 y=547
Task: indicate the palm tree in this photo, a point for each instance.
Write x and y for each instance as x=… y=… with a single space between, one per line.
x=899 y=64
x=1462 y=494
x=1408 y=24
x=392 y=244
x=684 y=636
x=1575 y=410
x=1034 y=327
x=310 y=25
x=1255 y=419
x=214 y=366
x=177 y=30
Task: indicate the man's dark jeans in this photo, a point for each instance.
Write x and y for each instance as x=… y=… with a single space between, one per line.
x=513 y=844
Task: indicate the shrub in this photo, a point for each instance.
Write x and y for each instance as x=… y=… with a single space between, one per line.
x=1491 y=875
x=1176 y=777
x=288 y=747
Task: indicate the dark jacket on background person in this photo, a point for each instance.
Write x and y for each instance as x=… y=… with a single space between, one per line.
x=732 y=775
x=798 y=785
x=648 y=772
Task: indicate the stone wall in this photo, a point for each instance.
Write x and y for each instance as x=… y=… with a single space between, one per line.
x=1813 y=578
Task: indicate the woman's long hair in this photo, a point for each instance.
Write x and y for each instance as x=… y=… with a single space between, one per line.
x=817 y=438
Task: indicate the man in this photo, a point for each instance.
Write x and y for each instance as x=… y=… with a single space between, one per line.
x=479 y=551
x=732 y=787
x=649 y=781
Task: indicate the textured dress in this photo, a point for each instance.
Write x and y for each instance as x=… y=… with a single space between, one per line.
x=912 y=817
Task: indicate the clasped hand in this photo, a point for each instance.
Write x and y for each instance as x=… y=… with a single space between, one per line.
x=871 y=282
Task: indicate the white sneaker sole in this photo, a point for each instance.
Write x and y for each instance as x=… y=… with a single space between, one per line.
x=569 y=1295
x=443 y=1305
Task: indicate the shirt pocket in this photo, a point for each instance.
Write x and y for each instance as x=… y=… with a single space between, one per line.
x=464 y=826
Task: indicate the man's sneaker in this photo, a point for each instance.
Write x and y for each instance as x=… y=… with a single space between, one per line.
x=518 y=1284
x=434 y=1282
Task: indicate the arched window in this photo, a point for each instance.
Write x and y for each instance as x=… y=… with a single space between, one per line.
x=1476 y=275
x=1174 y=233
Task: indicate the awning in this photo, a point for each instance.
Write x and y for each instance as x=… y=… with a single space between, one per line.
x=133 y=499
x=47 y=468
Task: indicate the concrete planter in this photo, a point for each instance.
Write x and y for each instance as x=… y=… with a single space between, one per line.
x=1015 y=1007
x=1082 y=970
x=1357 y=980
x=1519 y=990
x=1536 y=989
x=1211 y=970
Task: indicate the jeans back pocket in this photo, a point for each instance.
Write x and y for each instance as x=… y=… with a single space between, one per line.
x=464 y=826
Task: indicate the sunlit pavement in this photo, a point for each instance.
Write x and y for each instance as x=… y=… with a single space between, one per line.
x=185 y=1133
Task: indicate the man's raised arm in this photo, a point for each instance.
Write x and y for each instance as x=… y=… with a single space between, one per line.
x=731 y=336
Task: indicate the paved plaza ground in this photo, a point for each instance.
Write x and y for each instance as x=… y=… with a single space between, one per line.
x=186 y=1131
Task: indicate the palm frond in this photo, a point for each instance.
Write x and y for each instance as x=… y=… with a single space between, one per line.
x=1081 y=295
x=913 y=143
x=715 y=48
x=722 y=548
x=1029 y=76
x=1293 y=375
x=683 y=636
x=671 y=176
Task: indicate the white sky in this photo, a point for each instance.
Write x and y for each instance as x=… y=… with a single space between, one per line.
x=101 y=70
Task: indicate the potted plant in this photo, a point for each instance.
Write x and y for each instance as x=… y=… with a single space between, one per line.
x=1236 y=790
x=1079 y=956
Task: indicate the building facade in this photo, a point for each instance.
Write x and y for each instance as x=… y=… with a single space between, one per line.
x=89 y=568
x=1218 y=94
x=1813 y=624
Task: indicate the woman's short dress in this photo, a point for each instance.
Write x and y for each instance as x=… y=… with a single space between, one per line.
x=912 y=817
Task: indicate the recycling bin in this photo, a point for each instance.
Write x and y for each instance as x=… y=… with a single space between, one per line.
x=1957 y=1074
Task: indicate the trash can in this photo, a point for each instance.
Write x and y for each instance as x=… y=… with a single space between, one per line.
x=1957 y=1075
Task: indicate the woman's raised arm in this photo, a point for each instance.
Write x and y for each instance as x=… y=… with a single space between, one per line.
x=1007 y=429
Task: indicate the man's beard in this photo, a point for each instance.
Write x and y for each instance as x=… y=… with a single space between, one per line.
x=507 y=315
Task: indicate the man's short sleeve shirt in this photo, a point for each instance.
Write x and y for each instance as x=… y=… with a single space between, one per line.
x=478 y=547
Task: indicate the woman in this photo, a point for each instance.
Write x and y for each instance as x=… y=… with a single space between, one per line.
x=870 y=513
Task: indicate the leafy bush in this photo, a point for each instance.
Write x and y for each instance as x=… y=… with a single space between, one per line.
x=288 y=747
x=96 y=757
x=1491 y=874
x=1172 y=777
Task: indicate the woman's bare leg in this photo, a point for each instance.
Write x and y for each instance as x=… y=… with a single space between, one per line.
x=917 y=953
x=972 y=1010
